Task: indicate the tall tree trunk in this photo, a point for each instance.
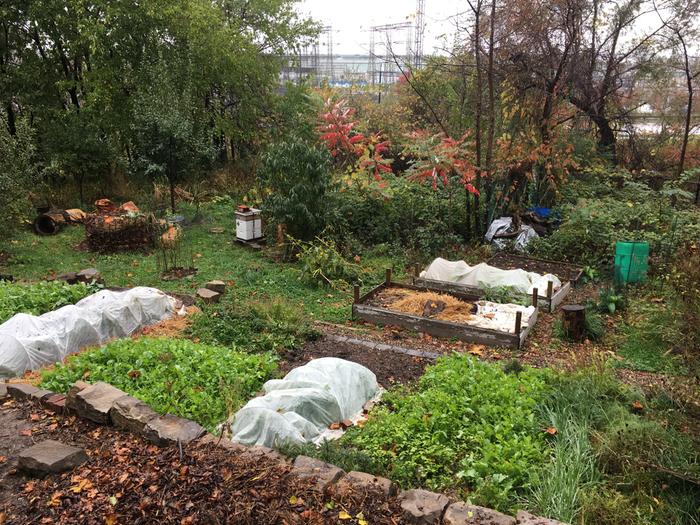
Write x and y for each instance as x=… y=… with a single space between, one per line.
x=689 y=108
x=492 y=119
x=607 y=142
x=171 y=175
x=11 y=122
x=478 y=109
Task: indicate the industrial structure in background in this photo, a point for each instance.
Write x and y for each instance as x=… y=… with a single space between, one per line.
x=393 y=50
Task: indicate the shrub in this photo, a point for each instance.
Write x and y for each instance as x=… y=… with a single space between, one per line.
x=322 y=263
x=17 y=173
x=297 y=175
x=40 y=297
x=262 y=326
x=200 y=382
x=468 y=425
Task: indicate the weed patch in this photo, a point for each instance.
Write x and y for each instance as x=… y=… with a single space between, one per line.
x=40 y=297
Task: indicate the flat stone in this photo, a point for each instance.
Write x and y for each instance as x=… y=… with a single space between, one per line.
x=131 y=414
x=50 y=457
x=208 y=296
x=89 y=275
x=525 y=518
x=39 y=395
x=361 y=483
x=94 y=402
x=216 y=286
x=464 y=514
x=55 y=403
x=422 y=507
x=21 y=390
x=324 y=474
x=69 y=277
x=3 y=391
x=168 y=429
x=222 y=442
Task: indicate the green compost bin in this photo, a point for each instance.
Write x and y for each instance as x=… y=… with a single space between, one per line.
x=631 y=262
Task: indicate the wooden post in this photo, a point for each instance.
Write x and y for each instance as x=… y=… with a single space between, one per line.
x=356 y=293
x=574 y=321
x=387 y=277
x=535 y=297
x=550 y=289
x=518 y=322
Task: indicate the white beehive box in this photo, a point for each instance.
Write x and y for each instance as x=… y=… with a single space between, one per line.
x=249 y=224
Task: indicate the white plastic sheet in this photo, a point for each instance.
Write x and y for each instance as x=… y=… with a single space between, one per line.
x=300 y=407
x=502 y=225
x=501 y=317
x=29 y=342
x=484 y=276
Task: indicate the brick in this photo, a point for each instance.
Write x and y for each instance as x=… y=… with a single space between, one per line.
x=55 y=403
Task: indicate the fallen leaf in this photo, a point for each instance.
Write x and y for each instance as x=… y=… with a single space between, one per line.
x=3 y=459
x=637 y=406
x=342 y=515
x=551 y=431
x=55 y=500
x=34 y=417
x=25 y=432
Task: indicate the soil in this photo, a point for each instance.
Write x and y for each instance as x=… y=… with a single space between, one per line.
x=129 y=481
x=390 y=367
x=507 y=261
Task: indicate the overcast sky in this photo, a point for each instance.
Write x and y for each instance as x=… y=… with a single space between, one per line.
x=351 y=19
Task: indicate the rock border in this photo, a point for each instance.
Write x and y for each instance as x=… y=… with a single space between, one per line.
x=107 y=405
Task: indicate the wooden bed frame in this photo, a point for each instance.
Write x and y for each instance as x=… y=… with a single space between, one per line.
x=547 y=302
x=447 y=329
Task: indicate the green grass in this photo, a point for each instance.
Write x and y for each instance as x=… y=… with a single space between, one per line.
x=650 y=337
x=200 y=382
x=254 y=276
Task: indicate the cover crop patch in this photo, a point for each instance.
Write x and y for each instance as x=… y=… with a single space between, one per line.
x=200 y=382
x=39 y=298
x=468 y=426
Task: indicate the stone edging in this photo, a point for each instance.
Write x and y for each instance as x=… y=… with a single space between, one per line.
x=104 y=404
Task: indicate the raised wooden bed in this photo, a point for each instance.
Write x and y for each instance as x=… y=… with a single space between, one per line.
x=547 y=300
x=362 y=309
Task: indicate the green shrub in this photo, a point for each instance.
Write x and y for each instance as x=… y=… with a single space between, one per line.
x=200 y=382
x=468 y=426
x=257 y=326
x=297 y=176
x=322 y=263
x=411 y=216
x=40 y=297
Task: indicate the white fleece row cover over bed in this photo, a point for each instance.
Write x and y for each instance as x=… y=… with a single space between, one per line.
x=484 y=276
x=28 y=342
x=300 y=407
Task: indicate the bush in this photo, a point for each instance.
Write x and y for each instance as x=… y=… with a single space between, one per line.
x=297 y=175
x=411 y=216
x=39 y=298
x=322 y=263
x=18 y=175
x=262 y=326
x=468 y=426
x=592 y=224
x=200 y=382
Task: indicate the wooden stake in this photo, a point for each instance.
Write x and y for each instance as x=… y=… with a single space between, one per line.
x=574 y=321
x=356 y=293
x=518 y=322
x=550 y=289
x=535 y=297
x=387 y=277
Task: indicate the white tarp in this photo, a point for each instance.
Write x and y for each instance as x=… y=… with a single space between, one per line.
x=501 y=317
x=299 y=408
x=484 y=276
x=29 y=342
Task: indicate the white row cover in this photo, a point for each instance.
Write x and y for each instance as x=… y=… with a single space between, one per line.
x=28 y=342
x=484 y=276
x=501 y=317
x=299 y=408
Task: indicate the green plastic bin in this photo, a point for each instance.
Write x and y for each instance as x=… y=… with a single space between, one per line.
x=631 y=262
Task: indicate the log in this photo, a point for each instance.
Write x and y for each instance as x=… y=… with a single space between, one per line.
x=574 y=321
x=49 y=223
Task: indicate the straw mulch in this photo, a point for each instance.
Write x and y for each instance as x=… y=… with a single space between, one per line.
x=414 y=303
